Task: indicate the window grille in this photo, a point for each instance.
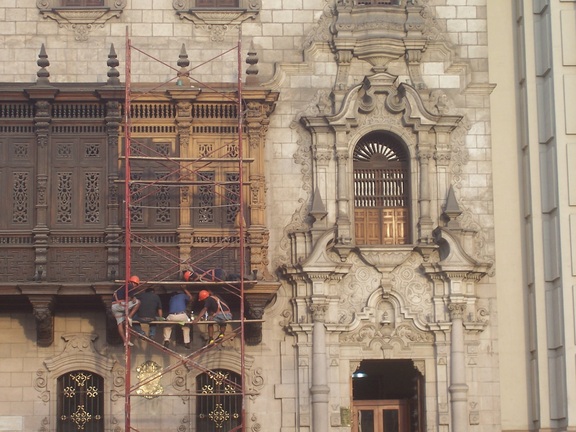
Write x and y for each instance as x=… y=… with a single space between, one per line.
x=80 y=402
x=220 y=406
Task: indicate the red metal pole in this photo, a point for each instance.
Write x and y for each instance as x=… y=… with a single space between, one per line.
x=127 y=175
x=241 y=229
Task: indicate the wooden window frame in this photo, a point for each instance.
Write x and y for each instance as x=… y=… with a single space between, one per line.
x=381 y=171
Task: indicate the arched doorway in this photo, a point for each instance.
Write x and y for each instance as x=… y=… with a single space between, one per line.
x=388 y=396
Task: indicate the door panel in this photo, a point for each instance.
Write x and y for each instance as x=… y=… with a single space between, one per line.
x=380 y=416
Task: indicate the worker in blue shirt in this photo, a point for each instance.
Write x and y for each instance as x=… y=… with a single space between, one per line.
x=177 y=311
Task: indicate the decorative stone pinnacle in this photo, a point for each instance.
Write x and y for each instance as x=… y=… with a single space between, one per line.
x=113 y=63
x=43 y=63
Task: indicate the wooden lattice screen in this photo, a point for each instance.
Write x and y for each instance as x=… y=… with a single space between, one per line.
x=381 y=192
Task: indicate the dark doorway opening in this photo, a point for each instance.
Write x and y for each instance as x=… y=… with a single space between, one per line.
x=388 y=396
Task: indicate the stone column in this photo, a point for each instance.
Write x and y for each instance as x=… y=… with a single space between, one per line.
x=319 y=390
x=425 y=221
x=458 y=387
x=343 y=198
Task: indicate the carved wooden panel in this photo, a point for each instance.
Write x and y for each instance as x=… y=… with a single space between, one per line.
x=78 y=181
x=17 y=177
x=16 y=263
x=74 y=264
x=154 y=191
x=381 y=226
x=153 y=257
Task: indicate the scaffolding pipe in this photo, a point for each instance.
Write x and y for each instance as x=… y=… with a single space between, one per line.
x=128 y=236
x=127 y=175
x=241 y=229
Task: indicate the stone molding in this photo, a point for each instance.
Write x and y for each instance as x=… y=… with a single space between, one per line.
x=80 y=20
x=217 y=22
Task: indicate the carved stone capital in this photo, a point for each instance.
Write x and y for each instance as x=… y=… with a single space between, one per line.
x=457 y=310
x=319 y=311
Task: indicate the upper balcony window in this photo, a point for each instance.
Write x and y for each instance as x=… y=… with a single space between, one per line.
x=381 y=191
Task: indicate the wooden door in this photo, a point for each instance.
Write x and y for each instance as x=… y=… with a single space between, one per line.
x=380 y=416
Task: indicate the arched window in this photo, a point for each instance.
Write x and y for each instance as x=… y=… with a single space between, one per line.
x=381 y=190
x=219 y=408
x=80 y=402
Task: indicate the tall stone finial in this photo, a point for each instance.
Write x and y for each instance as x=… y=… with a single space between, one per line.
x=43 y=63
x=183 y=74
x=318 y=210
x=452 y=210
x=113 y=63
x=252 y=70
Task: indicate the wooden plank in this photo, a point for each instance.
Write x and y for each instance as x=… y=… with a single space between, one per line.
x=193 y=283
x=166 y=322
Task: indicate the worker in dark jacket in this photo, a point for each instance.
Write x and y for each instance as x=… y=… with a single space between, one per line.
x=217 y=311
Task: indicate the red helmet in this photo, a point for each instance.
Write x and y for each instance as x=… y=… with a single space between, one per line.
x=187 y=275
x=134 y=279
x=203 y=295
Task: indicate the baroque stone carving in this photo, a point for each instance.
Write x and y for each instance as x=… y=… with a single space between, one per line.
x=80 y=20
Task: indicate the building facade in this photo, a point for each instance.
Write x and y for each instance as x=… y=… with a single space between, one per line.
x=395 y=183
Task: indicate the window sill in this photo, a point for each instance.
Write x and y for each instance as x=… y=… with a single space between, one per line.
x=204 y=16
x=217 y=21
x=81 y=20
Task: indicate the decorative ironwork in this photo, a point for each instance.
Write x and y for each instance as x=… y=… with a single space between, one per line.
x=80 y=402
x=150 y=372
x=219 y=407
x=20 y=198
x=64 y=198
x=92 y=198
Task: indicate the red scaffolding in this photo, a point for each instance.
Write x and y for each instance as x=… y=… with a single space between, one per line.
x=179 y=176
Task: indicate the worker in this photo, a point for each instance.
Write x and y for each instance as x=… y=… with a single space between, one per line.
x=150 y=309
x=177 y=311
x=119 y=306
x=217 y=310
